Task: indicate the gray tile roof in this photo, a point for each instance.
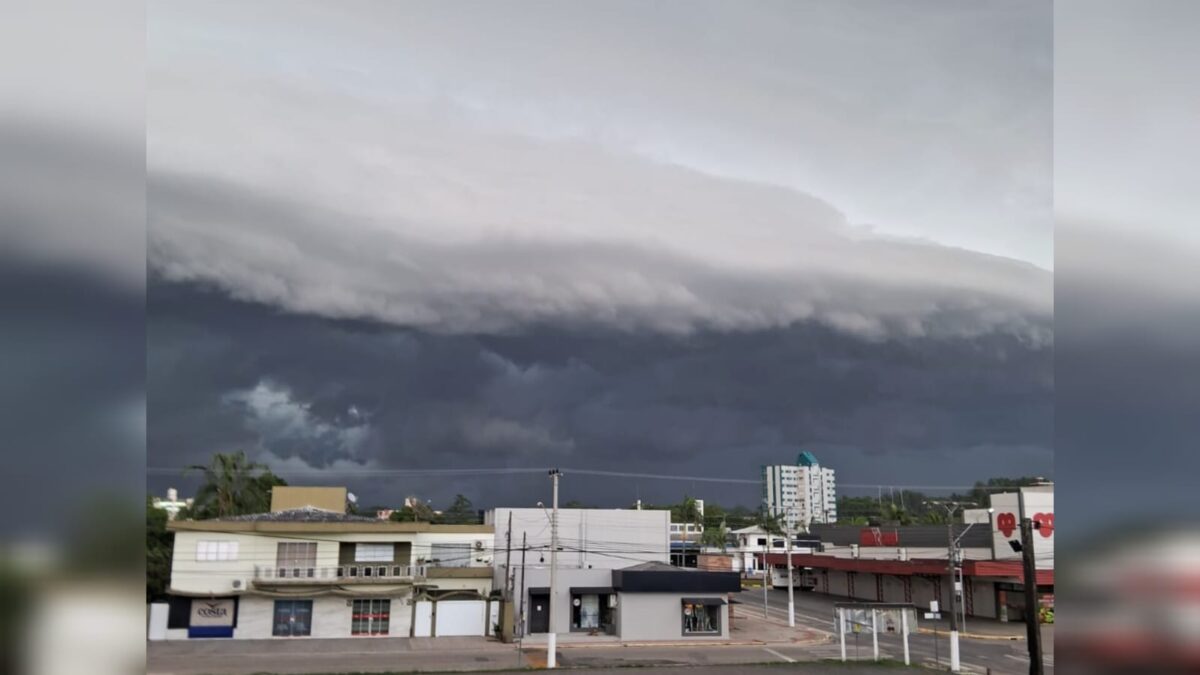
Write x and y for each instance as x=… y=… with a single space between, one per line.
x=654 y=566
x=306 y=514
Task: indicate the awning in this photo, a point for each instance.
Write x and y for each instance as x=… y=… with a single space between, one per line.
x=705 y=601
x=539 y=590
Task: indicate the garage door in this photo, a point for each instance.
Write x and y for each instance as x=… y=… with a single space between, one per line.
x=461 y=617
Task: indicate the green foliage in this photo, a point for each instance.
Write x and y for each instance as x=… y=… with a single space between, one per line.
x=716 y=536
x=233 y=486
x=159 y=548
x=419 y=512
x=461 y=512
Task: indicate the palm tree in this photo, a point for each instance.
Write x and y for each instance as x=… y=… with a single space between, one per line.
x=771 y=524
x=232 y=486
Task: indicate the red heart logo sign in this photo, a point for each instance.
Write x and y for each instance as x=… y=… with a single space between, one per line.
x=1045 y=523
x=1006 y=523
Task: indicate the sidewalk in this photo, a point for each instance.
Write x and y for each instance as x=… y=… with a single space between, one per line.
x=984 y=629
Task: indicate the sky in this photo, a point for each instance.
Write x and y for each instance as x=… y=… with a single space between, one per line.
x=673 y=239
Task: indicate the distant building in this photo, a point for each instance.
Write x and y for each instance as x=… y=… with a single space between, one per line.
x=172 y=504
x=805 y=490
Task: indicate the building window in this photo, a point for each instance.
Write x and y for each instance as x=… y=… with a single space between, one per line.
x=591 y=612
x=451 y=555
x=762 y=541
x=293 y=618
x=701 y=618
x=370 y=617
x=296 y=559
x=210 y=551
x=373 y=552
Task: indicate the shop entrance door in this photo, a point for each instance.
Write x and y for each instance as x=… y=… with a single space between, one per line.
x=539 y=612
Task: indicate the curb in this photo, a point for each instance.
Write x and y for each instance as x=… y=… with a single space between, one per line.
x=611 y=645
x=973 y=636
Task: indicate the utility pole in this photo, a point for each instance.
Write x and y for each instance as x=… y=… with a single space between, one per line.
x=552 y=638
x=791 y=589
x=954 y=664
x=766 y=600
x=521 y=614
x=1033 y=632
x=508 y=560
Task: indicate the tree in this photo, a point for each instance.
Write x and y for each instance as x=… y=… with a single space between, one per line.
x=233 y=486
x=934 y=517
x=159 y=549
x=460 y=512
x=415 y=510
x=715 y=536
x=770 y=523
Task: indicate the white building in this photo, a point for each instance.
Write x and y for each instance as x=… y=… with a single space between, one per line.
x=309 y=569
x=806 y=489
x=612 y=577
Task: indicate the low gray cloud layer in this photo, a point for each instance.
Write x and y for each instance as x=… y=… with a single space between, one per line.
x=326 y=399
x=806 y=266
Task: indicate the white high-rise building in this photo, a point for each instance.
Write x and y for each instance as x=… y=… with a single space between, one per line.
x=806 y=490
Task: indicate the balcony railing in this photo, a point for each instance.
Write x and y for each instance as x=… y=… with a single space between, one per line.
x=358 y=573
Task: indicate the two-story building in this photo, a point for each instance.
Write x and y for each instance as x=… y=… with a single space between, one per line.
x=309 y=569
x=613 y=577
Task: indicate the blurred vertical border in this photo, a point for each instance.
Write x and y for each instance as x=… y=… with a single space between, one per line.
x=1127 y=332
x=72 y=337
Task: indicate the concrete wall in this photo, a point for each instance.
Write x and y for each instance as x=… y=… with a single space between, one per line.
x=294 y=496
x=331 y=618
x=659 y=616
x=560 y=605
x=634 y=536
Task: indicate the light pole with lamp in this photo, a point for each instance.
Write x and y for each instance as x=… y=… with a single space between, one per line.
x=952 y=563
x=552 y=638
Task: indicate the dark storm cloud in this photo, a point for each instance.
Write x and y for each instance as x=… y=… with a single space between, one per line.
x=322 y=399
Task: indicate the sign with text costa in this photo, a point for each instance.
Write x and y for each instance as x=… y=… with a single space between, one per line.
x=212 y=617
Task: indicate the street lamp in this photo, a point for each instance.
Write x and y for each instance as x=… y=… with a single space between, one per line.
x=951 y=563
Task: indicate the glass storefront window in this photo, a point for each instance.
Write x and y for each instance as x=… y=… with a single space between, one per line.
x=293 y=618
x=701 y=619
x=370 y=617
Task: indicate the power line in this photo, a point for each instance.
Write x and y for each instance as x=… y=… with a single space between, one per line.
x=581 y=472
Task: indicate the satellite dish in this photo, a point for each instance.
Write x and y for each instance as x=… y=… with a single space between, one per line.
x=350 y=496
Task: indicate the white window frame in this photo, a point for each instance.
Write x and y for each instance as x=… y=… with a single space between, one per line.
x=216 y=550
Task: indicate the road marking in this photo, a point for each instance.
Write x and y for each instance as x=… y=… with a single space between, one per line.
x=785 y=658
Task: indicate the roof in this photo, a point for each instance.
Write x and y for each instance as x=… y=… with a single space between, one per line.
x=915 y=536
x=303 y=514
x=655 y=566
x=806 y=458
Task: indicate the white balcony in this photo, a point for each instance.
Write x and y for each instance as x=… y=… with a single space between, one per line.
x=358 y=573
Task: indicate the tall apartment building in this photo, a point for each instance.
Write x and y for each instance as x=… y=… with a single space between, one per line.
x=805 y=489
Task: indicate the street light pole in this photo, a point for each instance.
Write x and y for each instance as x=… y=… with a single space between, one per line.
x=552 y=638
x=791 y=589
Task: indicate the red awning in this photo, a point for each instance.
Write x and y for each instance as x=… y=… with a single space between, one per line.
x=1007 y=569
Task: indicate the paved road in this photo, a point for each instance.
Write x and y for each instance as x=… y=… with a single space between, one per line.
x=816 y=611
